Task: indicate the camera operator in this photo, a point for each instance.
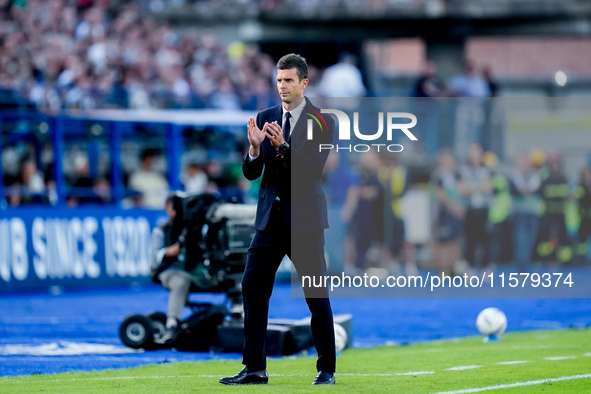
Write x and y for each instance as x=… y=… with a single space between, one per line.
x=168 y=264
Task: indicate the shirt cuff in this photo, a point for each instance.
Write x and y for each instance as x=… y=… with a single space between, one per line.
x=250 y=157
x=160 y=255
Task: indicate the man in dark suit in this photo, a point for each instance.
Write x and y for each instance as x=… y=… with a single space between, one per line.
x=291 y=218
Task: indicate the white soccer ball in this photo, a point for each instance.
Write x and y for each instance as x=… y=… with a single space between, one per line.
x=340 y=337
x=491 y=321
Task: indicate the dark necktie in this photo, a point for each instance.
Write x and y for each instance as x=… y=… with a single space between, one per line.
x=286 y=127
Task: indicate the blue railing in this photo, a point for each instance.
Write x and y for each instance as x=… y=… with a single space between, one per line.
x=112 y=128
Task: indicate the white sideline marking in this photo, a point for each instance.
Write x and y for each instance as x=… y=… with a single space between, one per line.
x=559 y=358
x=414 y=373
x=517 y=384
x=463 y=367
x=587 y=355
x=382 y=374
x=512 y=362
x=358 y=374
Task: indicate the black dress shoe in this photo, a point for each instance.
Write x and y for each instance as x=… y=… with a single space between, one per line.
x=324 y=378
x=245 y=377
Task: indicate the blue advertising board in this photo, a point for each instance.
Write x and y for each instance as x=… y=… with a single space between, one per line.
x=94 y=246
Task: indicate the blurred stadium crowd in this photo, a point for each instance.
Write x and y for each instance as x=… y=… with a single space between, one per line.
x=63 y=54
x=76 y=54
x=146 y=184
x=483 y=212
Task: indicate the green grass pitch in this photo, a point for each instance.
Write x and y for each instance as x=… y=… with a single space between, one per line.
x=523 y=362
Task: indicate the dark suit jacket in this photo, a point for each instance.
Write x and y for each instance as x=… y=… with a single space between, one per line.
x=295 y=179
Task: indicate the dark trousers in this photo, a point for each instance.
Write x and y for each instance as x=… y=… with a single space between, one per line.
x=525 y=231
x=475 y=226
x=266 y=251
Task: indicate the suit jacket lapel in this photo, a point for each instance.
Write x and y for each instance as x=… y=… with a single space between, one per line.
x=278 y=115
x=299 y=130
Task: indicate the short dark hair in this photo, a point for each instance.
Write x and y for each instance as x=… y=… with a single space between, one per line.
x=296 y=61
x=149 y=152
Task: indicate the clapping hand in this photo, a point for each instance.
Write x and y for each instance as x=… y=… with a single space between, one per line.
x=255 y=136
x=275 y=134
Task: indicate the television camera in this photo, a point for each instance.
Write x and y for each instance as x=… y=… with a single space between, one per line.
x=214 y=244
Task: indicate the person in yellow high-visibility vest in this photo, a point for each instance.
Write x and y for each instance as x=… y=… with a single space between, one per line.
x=525 y=183
x=394 y=180
x=449 y=214
x=553 y=241
x=477 y=192
x=583 y=196
x=499 y=212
